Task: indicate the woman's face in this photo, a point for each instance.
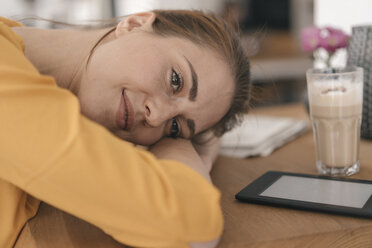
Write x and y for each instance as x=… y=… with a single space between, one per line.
x=143 y=87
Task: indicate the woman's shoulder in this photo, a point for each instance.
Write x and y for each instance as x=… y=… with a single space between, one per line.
x=9 y=22
x=8 y=34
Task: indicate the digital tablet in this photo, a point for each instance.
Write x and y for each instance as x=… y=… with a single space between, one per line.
x=311 y=192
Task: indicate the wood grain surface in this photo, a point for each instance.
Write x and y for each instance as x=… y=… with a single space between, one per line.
x=246 y=225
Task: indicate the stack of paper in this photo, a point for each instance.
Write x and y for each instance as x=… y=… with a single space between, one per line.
x=261 y=135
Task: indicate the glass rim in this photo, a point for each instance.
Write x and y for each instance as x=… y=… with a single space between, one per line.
x=332 y=71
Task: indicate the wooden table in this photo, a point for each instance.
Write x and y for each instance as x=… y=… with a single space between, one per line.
x=249 y=225
x=246 y=225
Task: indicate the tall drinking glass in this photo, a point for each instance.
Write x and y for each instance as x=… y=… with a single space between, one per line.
x=335 y=100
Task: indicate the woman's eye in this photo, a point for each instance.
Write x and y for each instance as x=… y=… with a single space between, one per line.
x=174 y=129
x=176 y=81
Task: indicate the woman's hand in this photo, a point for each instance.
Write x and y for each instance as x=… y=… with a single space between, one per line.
x=181 y=150
x=207 y=146
x=199 y=154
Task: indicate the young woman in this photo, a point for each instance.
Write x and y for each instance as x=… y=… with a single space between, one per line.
x=70 y=100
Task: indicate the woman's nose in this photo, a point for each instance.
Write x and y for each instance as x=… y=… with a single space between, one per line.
x=158 y=112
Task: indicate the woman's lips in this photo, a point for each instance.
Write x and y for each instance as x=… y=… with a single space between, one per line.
x=125 y=113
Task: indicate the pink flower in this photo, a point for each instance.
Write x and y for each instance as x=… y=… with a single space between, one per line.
x=333 y=39
x=329 y=39
x=310 y=38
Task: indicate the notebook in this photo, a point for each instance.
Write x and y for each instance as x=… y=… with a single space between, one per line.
x=260 y=135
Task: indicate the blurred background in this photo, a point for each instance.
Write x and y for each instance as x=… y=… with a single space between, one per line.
x=270 y=30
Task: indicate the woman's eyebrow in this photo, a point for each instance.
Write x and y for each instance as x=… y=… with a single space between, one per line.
x=194 y=78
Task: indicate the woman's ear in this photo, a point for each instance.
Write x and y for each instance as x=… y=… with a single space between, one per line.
x=142 y=21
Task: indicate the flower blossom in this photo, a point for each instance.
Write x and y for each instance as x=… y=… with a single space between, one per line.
x=333 y=39
x=310 y=38
x=328 y=38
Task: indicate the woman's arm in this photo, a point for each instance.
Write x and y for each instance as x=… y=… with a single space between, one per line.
x=207 y=146
x=181 y=150
x=51 y=151
x=186 y=152
x=199 y=154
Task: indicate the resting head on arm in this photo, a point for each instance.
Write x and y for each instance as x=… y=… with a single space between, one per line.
x=211 y=32
x=207 y=77
x=175 y=74
x=158 y=79
x=155 y=74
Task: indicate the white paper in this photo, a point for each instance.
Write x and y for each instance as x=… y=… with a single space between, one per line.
x=260 y=135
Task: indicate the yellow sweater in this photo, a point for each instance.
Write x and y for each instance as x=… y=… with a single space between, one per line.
x=50 y=152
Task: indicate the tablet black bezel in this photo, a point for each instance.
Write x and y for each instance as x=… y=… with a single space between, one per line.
x=251 y=193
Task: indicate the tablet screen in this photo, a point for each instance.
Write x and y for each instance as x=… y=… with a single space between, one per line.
x=341 y=193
